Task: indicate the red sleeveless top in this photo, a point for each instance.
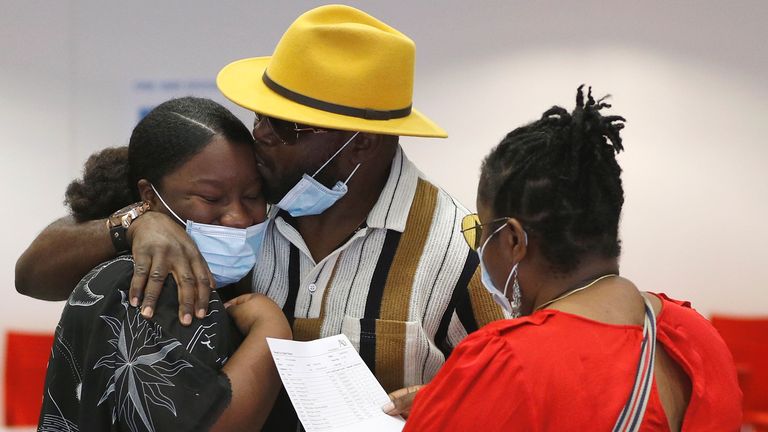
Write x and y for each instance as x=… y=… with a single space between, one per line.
x=555 y=371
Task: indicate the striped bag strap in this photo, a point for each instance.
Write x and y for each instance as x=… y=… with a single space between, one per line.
x=632 y=415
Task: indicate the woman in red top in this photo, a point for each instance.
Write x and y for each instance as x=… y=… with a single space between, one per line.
x=549 y=201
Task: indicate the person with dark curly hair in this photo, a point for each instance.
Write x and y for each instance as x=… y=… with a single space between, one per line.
x=589 y=351
x=112 y=368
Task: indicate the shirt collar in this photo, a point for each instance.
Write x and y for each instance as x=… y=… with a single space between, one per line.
x=394 y=203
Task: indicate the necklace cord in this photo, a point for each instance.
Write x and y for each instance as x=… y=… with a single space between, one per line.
x=574 y=291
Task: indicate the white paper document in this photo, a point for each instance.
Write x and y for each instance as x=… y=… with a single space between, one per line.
x=331 y=387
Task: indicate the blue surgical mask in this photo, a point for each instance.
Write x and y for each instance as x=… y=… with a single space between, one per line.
x=500 y=297
x=310 y=197
x=229 y=252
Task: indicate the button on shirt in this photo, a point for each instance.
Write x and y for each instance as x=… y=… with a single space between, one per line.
x=405 y=288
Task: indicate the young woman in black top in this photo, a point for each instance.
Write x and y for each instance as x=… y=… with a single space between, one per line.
x=113 y=369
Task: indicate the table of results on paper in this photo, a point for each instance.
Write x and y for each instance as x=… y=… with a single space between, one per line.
x=331 y=387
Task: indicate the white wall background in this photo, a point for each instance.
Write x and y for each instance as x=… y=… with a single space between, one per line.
x=688 y=75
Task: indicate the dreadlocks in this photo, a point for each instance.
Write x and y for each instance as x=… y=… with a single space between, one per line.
x=559 y=177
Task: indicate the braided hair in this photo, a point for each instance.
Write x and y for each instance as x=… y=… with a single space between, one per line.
x=559 y=177
x=166 y=138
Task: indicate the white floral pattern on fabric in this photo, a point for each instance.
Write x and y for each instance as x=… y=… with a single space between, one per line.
x=140 y=368
x=56 y=422
x=111 y=369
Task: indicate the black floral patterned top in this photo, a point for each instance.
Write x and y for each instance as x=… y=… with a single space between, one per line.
x=113 y=370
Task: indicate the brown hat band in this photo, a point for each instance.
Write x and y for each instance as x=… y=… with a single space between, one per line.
x=364 y=113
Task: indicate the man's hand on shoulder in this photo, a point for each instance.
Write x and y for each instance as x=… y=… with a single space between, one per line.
x=160 y=247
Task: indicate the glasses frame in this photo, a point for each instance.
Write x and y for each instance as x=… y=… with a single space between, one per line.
x=296 y=129
x=479 y=227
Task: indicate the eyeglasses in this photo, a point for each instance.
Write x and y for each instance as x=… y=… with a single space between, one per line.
x=472 y=229
x=286 y=131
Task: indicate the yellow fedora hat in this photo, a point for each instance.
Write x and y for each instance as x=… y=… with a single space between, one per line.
x=335 y=67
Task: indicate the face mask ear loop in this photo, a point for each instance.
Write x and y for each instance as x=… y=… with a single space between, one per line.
x=352 y=173
x=166 y=205
x=489 y=238
x=335 y=154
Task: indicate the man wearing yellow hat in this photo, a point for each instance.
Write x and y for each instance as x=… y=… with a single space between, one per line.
x=361 y=243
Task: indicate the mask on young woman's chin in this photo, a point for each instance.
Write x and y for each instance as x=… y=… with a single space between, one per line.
x=310 y=197
x=229 y=252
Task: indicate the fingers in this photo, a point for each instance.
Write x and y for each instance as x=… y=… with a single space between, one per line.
x=157 y=275
x=401 y=401
x=193 y=278
x=146 y=283
x=201 y=284
x=242 y=315
x=239 y=300
x=161 y=247
x=141 y=264
x=186 y=292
